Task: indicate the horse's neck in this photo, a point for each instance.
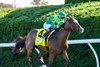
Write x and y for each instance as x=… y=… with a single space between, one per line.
x=64 y=35
x=61 y=36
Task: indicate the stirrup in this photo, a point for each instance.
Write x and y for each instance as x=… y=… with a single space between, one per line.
x=44 y=36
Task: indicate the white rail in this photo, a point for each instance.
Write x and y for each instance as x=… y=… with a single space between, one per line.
x=82 y=41
x=7 y=44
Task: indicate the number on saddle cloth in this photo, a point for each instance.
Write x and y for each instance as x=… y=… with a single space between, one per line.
x=41 y=33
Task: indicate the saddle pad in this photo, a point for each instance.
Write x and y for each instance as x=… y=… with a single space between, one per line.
x=39 y=34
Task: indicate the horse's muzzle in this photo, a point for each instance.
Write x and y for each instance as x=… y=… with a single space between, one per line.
x=81 y=30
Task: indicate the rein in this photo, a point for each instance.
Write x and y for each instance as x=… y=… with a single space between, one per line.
x=62 y=26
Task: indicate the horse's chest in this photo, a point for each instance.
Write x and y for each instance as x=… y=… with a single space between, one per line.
x=60 y=49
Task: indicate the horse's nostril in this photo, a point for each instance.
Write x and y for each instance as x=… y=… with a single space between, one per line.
x=80 y=30
x=83 y=30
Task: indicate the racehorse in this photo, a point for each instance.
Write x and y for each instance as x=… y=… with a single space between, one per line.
x=57 y=42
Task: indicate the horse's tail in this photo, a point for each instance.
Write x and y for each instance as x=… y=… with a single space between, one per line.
x=20 y=43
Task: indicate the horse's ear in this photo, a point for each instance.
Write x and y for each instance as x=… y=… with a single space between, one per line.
x=70 y=16
x=67 y=18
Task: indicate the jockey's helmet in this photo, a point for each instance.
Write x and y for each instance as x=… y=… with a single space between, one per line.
x=62 y=14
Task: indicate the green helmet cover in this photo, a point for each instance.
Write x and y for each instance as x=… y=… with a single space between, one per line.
x=62 y=14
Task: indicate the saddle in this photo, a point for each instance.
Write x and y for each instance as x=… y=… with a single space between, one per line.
x=39 y=36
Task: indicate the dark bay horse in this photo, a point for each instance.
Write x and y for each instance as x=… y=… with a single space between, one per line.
x=57 y=42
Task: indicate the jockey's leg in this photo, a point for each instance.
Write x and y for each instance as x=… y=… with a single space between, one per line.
x=47 y=28
x=47 y=33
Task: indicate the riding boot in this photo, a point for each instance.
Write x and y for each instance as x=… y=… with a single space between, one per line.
x=46 y=34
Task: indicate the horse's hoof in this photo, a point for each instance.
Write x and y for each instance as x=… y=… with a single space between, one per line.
x=67 y=65
x=43 y=66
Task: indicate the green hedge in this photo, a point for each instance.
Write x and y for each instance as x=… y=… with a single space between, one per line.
x=79 y=1
x=18 y=21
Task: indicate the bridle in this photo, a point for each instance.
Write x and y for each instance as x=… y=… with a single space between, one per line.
x=63 y=25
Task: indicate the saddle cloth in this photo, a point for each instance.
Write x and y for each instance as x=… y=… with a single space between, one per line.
x=39 y=35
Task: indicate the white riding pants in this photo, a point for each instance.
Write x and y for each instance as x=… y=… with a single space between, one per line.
x=46 y=26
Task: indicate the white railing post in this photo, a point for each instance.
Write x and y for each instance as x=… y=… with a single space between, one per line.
x=95 y=54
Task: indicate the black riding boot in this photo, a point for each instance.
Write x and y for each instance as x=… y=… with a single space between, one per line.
x=46 y=34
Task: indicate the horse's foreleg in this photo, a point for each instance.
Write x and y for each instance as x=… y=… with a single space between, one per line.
x=65 y=56
x=51 y=58
x=66 y=44
x=29 y=44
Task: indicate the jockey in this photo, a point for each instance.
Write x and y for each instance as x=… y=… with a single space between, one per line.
x=54 y=22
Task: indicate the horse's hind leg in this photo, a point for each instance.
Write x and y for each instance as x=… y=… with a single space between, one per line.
x=29 y=47
x=65 y=56
x=43 y=51
x=29 y=53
